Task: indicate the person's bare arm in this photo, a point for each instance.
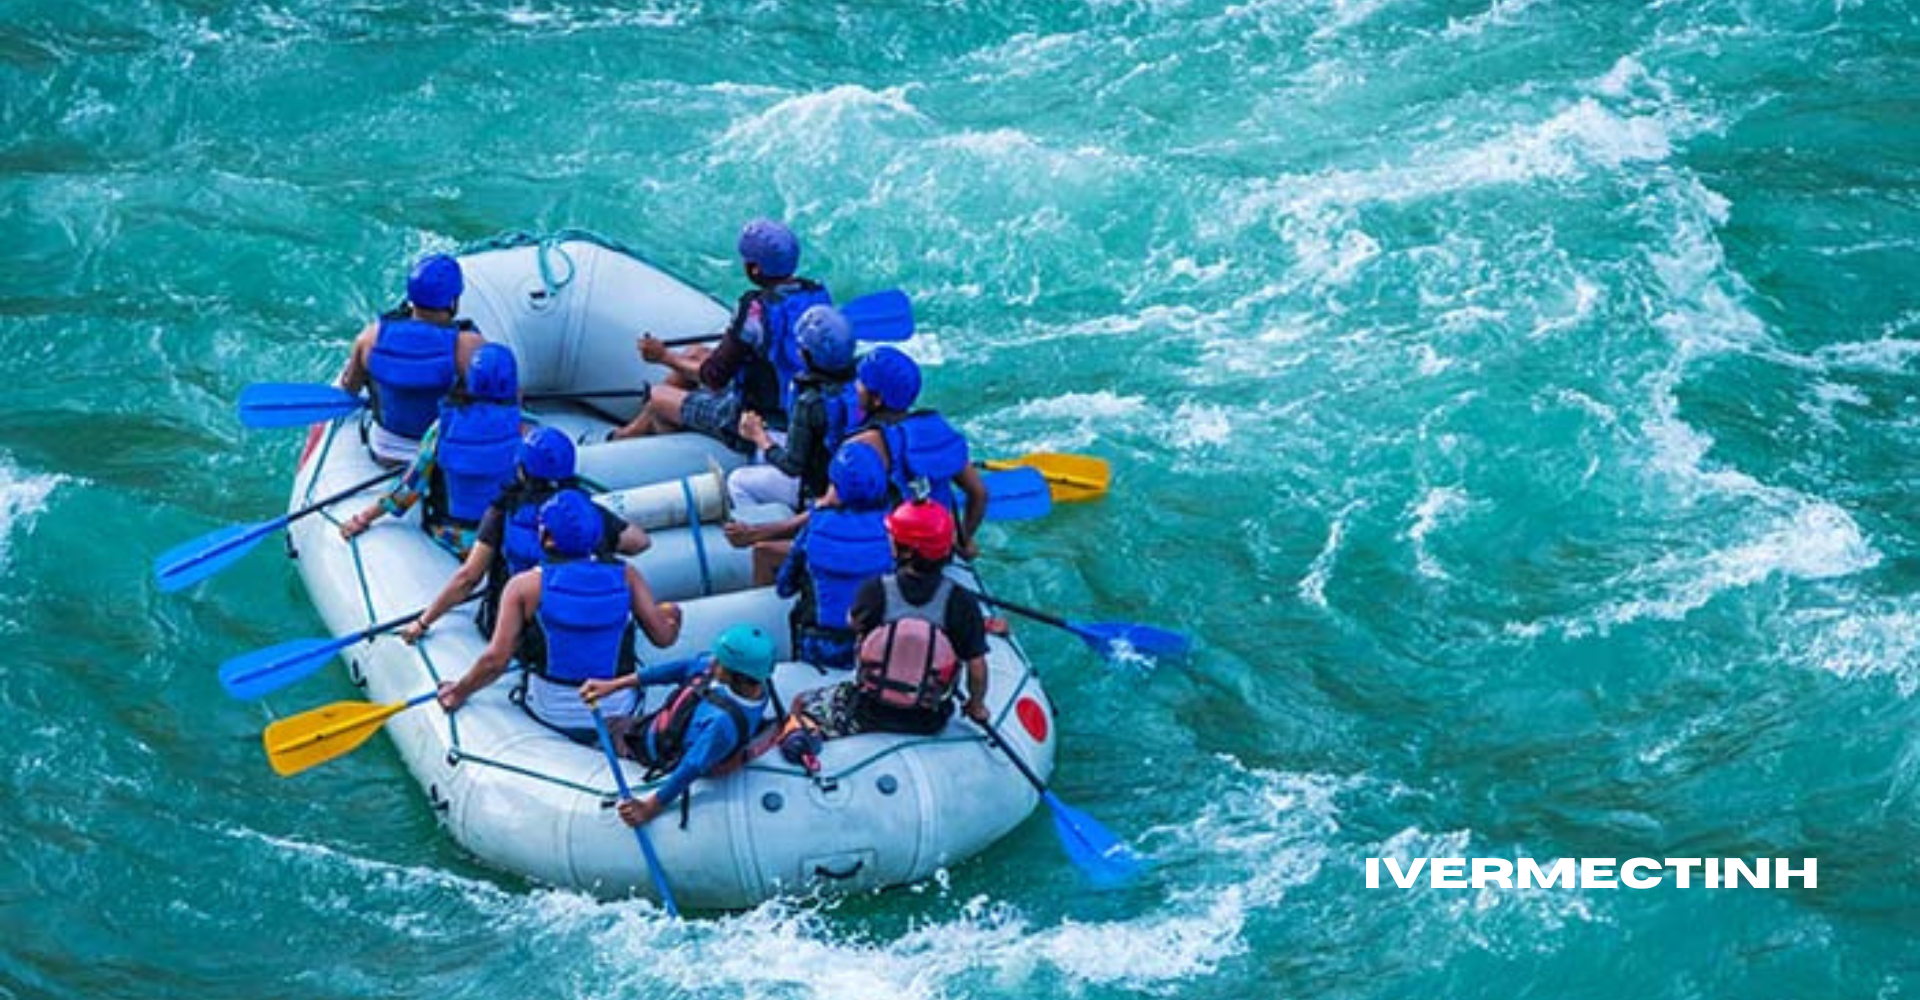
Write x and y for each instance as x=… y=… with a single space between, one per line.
x=353 y=377
x=633 y=540
x=517 y=604
x=975 y=488
x=686 y=364
x=976 y=707
x=660 y=621
x=458 y=587
x=464 y=348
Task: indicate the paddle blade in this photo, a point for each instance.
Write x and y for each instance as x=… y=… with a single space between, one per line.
x=1124 y=641
x=1017 y=495
x=1073 y=478
x=1105 y=859
x=883 y=317
x=311 y=738
x=294 y=404
x=190 y=562
x=265 y=671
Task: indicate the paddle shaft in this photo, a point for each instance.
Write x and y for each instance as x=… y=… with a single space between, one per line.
x=380 y=628
x=657 y=873
x=1025 y=770
x=1040 y=616
x=279 y=522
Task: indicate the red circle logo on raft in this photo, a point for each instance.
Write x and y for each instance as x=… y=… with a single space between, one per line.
x=1033 y=719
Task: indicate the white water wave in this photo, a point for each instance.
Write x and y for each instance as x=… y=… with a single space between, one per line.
x=1501 y=14
x=1487 y=919
x=23 y=496
x=1882 y=640
x=1440 y=505
x=813 y=126
x=1313 y=586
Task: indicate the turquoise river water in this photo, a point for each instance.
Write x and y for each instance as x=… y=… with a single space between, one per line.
x=1515 y=398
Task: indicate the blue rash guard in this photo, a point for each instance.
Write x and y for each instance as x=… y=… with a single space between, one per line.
x=711 y=736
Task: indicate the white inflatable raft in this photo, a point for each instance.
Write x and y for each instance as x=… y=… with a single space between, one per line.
x=885 y=809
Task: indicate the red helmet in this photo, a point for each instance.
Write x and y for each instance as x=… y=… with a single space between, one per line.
x=922 y=527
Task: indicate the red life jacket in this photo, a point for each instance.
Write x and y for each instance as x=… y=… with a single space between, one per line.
x=908 y=661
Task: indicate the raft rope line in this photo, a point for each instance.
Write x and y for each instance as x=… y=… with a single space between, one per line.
x=515 y=239
x=699 y=542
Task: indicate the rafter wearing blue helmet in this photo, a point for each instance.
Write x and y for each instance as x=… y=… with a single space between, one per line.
x=584 y=607
x=841 y=547
x=508 y=540
x=410 y=358
x=467 y=456
x=926 y=457
x=823 y=409
x=750 y=370
x=719 y=702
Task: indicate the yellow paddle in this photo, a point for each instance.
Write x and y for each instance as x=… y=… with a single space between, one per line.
x=1071 y=478
x=311 y=738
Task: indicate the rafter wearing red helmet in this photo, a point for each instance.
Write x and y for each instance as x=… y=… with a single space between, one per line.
x=917 y=631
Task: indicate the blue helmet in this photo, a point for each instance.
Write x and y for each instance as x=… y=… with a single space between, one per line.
x=746 y=650
x=435 y=282
x=547 y=454
x=858 y=474
x=573 y=522
x=493 y=374
x=826 y=338
x=772 y=246
x=888 y=373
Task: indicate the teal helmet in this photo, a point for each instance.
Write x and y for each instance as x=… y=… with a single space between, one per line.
x=746 y=650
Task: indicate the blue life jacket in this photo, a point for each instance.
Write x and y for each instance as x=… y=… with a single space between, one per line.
x=520 y=535
x=779 y=311
x=845 y=548
x=923 y=447
x=587 y=616
x=477 y=454
x=843 y=412
x=413 y=363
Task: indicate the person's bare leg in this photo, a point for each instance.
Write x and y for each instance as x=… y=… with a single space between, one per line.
x=661 y=415
x=767 y=557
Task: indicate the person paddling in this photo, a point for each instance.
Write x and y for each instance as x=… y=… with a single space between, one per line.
x=586 y=608
x=822 y=409
x=924 y=455
x=411 y=357
x=465 y=457
x=508 y=540
x=917 y=630
x=756 y=357
x=843 y=546
x=719 y=703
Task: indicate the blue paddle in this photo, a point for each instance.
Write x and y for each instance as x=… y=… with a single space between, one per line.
x=191 y=562
x=882 y=317
x=654 y=870
x=265 y=671
x=1109 y=639
x=294 y=404
x=1103 y=857
x=1017 y=494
